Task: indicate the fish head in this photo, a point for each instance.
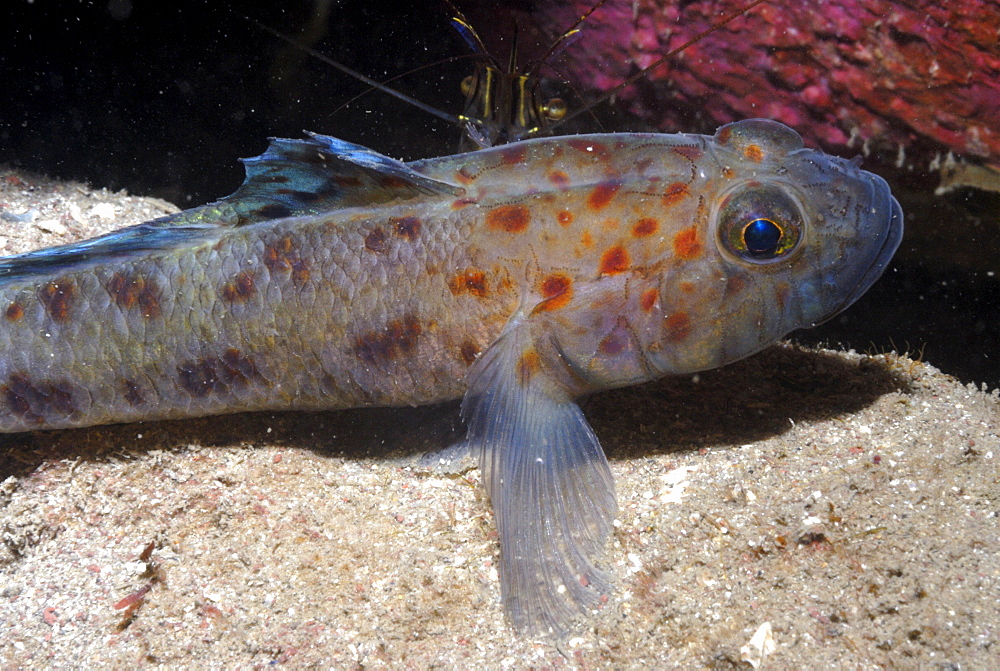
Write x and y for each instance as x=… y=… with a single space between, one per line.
x=793 y=236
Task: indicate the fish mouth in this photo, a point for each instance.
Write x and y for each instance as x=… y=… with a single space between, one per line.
x=882 y=200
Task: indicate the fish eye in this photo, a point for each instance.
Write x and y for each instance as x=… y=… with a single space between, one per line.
x=554 y=109
x=468 y=85
x=761 y=237
x=759 y=223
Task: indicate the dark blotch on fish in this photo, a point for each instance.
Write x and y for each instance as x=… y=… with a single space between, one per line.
x=273 y=211
x=131 y=289
x=398 y=338
x=407 y=227
x=217 y=374
x=376 y=241
x=240 y=289
x=36 y=402
x=131 y=393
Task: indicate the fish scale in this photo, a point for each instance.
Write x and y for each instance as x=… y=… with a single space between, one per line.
x=518 y=278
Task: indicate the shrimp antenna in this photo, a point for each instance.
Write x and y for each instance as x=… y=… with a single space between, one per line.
x=451 y=118
x=657 y=63
x=564 y=40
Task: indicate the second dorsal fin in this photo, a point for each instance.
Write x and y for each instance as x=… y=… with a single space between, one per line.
x=311 y=176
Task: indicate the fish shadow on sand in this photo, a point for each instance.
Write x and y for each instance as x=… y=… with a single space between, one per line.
x=742 y=403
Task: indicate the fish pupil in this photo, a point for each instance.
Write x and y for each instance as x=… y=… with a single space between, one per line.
x=761 y=237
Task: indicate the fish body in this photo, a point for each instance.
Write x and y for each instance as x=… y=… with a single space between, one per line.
x=518 y=278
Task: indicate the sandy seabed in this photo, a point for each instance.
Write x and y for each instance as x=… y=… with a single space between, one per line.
x=845 y=503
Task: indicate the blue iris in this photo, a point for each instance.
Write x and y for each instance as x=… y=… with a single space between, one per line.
x=761 y=237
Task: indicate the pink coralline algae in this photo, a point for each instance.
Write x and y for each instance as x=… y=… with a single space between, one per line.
x=915 y=78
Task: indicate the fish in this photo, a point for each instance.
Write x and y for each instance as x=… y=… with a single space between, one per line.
x=518 y=278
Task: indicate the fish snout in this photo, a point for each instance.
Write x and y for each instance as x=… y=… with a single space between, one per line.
x=878 y=230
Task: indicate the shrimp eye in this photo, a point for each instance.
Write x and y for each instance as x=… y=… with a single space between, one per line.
x=759 y=223
x=468 y=85
x=554 y=109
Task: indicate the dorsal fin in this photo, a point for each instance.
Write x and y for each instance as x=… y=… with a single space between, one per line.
x=311 y=176
x=292 y=178
x=323 y=173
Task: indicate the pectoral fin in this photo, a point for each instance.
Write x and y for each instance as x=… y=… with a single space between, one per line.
x=549 y=482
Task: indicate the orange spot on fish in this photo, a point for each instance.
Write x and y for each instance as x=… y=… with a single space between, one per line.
x=462 y=202
x=558 y=178
x=555 y=285
x=603 y=193
x=686 y=244
x=282 y=257
x=610 y=224
x=513 y=154
x=728 y=172
x=676 y=327
x=647 y=300
x=528 y=366
x=240 y=289
x=130 y=289
x=686 y=287
x=407 y=228
x=586 y=239
x=14 y=312
x=471 y=281
x=375 y=241
x=614 y=261
x=675 y=193
x=58 y=297
x=509 y=218
x=275 y=255
x=564 y=217
x=556 y=290
x=645 y=227
x=754 y=152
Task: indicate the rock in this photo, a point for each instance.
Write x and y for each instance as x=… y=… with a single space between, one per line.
x=911 y=80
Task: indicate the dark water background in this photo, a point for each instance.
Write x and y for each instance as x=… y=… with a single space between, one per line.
x=162 y=98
